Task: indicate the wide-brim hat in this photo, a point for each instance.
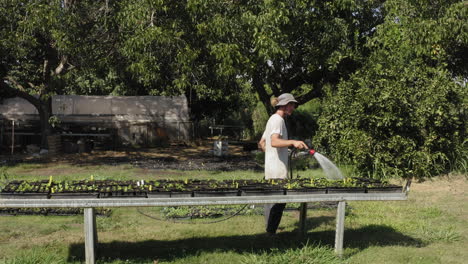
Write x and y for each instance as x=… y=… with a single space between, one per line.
x=285 y=99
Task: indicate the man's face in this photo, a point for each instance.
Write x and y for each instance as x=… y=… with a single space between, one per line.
x=290 y=107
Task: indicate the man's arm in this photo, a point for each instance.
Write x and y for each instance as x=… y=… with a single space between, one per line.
x=278 y=142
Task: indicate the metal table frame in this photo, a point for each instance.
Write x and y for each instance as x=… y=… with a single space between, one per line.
x=89 y=205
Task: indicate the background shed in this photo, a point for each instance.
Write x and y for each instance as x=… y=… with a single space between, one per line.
x=123 y=120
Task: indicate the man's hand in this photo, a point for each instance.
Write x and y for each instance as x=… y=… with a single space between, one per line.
x=300 y=144
x=262 y=143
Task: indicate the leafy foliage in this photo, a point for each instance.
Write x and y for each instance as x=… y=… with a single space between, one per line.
x=404 y=114
x=303 y=122
x=210 y=211
x=281 y=46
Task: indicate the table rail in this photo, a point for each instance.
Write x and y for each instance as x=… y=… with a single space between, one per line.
x=148 y=202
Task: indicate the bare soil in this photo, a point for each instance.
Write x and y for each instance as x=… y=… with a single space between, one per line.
x=177 y=157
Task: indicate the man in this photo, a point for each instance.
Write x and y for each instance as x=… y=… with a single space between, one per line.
x=275 y=143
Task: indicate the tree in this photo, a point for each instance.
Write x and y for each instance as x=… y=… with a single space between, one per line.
x=404 y=113
x=163 y=55
x=221 y=53
x=283 y=46
x=43 y=42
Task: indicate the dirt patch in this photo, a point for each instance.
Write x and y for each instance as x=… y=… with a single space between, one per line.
x=448 y=190
x=143 y=172
x=455 y=184
x=174 y=157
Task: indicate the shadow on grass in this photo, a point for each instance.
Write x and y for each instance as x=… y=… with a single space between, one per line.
x=149 y=250
x=316 y=221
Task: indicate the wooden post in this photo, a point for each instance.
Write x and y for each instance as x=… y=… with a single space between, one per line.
x=340 y=218
x=2 y=131
x=302 y=218
x=90 y=235
x=12 y=137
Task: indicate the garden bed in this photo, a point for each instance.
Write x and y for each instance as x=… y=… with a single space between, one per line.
x=108 y=189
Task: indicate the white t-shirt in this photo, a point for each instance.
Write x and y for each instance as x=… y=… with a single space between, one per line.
x=276 y=159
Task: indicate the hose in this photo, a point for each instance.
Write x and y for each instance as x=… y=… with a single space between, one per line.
x=293 y=151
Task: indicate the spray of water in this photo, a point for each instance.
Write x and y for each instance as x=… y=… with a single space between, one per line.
x=331 y=171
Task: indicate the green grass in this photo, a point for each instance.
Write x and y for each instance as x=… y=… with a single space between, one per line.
x=430 y=227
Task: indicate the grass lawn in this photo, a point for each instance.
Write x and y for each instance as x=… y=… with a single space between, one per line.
x=430 y=227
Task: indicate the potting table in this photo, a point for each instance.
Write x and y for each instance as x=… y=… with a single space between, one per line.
x=89 y=206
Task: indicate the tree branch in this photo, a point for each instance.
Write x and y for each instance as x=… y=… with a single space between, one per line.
x=15 y=83
x=290 y=85
x=61 y=66
x=45 y=70
x=264 y=97
x=152 y=19
x=9 y=92
x=314 y=93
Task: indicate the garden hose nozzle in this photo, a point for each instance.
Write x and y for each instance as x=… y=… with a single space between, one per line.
x=305 y=153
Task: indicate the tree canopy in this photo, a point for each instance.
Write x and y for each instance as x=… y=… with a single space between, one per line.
x=284 y=46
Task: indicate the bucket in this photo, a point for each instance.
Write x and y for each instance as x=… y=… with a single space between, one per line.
x=84 y=146
x=220 y=148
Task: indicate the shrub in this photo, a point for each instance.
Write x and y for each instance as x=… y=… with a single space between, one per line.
x=389 y=128
x=302 y=124
x=259 y=120
x=404 y=112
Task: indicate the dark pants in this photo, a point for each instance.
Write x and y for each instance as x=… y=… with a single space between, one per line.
x=273 y=214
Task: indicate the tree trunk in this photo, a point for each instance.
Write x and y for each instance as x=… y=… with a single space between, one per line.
x=45 y=112
x=43 y=106
x=262 y=93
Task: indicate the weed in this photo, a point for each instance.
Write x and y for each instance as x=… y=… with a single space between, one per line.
x=308 y=254
x=35 y=256
x=441 y=234
x=431 y=212
x=106 y=224
x=3 y=173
